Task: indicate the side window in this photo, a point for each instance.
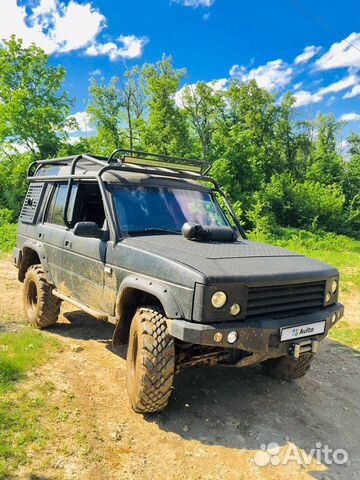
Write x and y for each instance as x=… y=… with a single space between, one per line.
x=88 y=205
x=55 y=210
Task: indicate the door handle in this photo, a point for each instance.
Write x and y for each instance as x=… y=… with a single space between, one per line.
x=67 y=244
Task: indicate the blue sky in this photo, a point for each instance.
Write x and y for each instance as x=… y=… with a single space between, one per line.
x=275 y=42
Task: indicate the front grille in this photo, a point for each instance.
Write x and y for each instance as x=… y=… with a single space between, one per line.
x=282 y=300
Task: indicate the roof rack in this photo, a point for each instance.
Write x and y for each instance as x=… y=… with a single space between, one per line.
x=129 y=161
x=158 y=160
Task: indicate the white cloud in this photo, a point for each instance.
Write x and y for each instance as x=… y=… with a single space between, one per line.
x=297 y=86
x=350 y=117
x=52 y=25
x=96 y=73
x=194 y=3
x=83 y=119
x=216 y=85
x=274 y=75
x=132 y=47
x=304 y=97
x=346 y=82
x=341 y=54
x=353 y=92
x=59 y=27
x=307 y=54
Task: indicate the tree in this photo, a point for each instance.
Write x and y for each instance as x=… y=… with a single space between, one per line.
x=326 y=165
x=118 y=108
x=166 y=129
x=34 y=110
x=104 y=109
x=203 y=107
x=133 y=103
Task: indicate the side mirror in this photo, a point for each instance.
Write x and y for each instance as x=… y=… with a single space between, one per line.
x=88 y=230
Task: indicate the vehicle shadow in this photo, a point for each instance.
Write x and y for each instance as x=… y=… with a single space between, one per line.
x=79 y=325
x=244 y=408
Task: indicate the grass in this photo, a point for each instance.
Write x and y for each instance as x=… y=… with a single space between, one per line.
x=20 y=410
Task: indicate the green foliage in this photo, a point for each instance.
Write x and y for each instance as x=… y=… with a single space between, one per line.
x=34 y=109
x=276 y=168
x=309 y=205
x=166 y=129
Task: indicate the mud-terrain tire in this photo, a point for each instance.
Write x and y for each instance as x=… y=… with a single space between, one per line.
x=287 y=368
x=41 y=307
x=150 y=361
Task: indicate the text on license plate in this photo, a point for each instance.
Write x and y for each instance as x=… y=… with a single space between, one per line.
x=300 y=331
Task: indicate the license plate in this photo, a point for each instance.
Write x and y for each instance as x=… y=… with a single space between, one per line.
x=301 y=331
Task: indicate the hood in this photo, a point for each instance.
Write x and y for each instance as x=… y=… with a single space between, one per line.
x=241 y=261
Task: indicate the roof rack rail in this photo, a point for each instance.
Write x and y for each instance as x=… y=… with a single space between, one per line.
x=138 y=157
x=119 y=164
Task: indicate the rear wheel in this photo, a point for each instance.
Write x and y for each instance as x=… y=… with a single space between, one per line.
x=41 y=307
x=150 y=361
x=288 y=368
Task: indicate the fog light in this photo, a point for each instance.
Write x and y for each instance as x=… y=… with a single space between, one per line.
x=328 y=297
x=218 y=337
x=232 y=337
x=333 y=318
x=218 y=299
x=235 y=309
x=334 y=286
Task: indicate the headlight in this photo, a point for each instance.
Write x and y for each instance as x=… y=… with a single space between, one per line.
x=218 y=299
x=328 y=297
x=235 y=309
x=334 y=286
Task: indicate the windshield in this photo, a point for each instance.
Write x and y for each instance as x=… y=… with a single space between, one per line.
x=162 y=209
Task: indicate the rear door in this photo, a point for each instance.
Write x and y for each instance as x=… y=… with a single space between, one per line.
x=52 y=232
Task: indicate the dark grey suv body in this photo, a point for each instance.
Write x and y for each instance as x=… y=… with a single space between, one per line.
x=80 y=223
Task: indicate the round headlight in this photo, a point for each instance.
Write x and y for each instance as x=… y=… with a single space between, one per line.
x=235 y=309
x=334 y=286
x=232 y=337
x=328 y=297
x=218 y=299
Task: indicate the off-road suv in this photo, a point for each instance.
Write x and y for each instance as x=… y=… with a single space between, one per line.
x=140 y=240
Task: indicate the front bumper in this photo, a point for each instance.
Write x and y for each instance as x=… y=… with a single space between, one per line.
x=257 y=336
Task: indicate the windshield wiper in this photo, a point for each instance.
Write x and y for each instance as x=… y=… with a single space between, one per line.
x=155 y=231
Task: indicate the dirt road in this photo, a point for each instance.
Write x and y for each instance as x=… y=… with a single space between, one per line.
x=215 y=424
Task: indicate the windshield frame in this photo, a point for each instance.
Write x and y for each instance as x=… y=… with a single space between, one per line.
x=111 y=187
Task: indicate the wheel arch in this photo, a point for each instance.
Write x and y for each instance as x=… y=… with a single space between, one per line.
x=32 y=254
x=136 y=292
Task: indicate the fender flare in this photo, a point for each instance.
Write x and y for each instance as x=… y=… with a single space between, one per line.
x=39 y=249
x=161 y=291
x=157 y=289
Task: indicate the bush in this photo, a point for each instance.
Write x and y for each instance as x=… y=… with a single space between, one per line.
x=7 y=236
x=309 y=205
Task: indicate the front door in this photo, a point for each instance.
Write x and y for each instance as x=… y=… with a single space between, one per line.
x=84 y=258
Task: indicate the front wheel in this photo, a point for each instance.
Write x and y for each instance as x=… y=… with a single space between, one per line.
x=150 y=361
x=288 y=368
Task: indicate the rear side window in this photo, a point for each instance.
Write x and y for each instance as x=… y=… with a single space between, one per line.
x=55 y=210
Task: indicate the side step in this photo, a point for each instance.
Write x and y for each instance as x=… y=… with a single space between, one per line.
x=304 y=346
x=98 y=314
